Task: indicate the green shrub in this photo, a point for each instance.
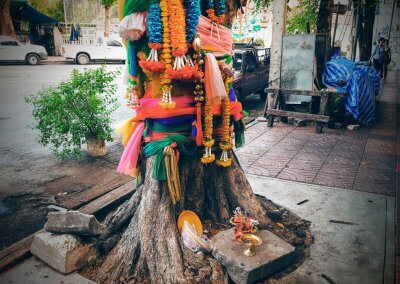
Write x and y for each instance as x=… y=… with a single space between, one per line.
x=75 y=109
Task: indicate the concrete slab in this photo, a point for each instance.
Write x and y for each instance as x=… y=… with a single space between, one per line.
x=65 y=253
x=34 y=271
x=271 y=256
x=354 y=231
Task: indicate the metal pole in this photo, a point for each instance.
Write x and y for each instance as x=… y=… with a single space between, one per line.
x=336 y=22
x=391 y=20
x=353 y=57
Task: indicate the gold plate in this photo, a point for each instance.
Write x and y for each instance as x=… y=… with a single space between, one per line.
x=251 y=238
x=191 y=218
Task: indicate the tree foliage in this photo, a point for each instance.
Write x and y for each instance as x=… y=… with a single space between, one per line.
x=260 y=4
x=303 y=17
x=81 y=107
x=54 y=9
x=108 y=3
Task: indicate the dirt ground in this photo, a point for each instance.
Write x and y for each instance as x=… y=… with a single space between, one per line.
x=24 y=212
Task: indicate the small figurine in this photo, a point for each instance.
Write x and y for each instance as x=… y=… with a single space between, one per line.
x=243 y=223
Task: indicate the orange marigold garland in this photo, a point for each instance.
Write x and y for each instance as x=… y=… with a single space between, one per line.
x=183 y=67
x=166 y=101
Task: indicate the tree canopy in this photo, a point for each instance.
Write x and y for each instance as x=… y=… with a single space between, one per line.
x=51 y=8
x=108 y=3
x=303 y=17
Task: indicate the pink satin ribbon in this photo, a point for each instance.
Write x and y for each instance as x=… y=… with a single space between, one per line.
x=128 y=161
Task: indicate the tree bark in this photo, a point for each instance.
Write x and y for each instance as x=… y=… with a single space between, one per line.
x=107 y=11
x=324 y=22
x=365 y=29
x=142 y=240
x=6 y=24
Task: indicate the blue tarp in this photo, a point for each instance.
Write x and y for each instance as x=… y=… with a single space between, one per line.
x=361 y=82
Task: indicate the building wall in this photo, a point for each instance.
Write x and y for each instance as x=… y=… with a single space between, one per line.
x=381 y=28
x=345 y=30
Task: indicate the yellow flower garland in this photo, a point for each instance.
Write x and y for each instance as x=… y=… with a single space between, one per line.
x=225 y=144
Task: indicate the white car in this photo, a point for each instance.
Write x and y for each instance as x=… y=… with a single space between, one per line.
x=12 y=50
x=105 y=50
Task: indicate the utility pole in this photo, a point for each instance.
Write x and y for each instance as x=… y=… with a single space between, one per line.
x=278 y=31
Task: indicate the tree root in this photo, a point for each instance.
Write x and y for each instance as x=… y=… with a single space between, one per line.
x=143 y=242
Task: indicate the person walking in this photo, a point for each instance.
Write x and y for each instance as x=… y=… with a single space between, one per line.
x=377 y=56
x=387 y=57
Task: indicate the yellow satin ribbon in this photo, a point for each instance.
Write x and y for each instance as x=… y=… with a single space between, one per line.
x=125 y=129
x=171 y=167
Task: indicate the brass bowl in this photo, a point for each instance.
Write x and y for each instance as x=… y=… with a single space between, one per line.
x=251 y=238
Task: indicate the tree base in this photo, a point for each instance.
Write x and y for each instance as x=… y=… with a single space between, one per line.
x=142 y=241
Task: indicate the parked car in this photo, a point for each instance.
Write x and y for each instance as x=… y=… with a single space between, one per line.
x=12 y=50
x=251 y=70
x=106 y=49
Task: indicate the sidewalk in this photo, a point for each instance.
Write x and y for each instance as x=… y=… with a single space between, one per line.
x=362 y=160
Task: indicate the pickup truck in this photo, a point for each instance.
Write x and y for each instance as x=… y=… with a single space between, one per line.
x=12 y=50
x=251 y=70
x=105 y=49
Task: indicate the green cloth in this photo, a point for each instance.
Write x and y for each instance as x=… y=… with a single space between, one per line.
x=184 y=145
x=239 y=127
x=133 y=6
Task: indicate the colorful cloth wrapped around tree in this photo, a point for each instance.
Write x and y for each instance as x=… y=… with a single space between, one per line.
x=185 y=101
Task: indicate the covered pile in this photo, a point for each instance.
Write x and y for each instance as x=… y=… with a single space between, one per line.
x=361 y=82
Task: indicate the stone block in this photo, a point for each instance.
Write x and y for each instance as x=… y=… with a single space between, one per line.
x=271 y=256
x=73 y=222
x=65 y=253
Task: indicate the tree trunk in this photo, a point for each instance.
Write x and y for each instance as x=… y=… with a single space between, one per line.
x=365 y=30
x=324 y=22
x=142 y=240
x=107 y=11
x=6 y=25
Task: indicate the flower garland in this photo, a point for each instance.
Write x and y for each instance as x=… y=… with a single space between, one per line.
x=183 y=66
x=225 y=143
x=216 y=10
x=192 y=19
x=165 y=80
x=208 y=140
x=155 y=39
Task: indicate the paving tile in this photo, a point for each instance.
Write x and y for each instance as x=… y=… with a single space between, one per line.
x=246 y=159
x=334 y=180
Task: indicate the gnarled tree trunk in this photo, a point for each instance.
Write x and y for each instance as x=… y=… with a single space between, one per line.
x=143 y=242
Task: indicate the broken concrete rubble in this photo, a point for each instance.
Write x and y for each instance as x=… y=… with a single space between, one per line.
x=65 y=253
x=73 y=222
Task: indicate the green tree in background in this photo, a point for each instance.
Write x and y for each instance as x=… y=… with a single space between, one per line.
x=51 y=8
x=107 y=4
x=303 y=17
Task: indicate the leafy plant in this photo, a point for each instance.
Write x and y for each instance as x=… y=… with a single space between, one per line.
x=259 y=42
x=304 y=15
x=75 y=109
